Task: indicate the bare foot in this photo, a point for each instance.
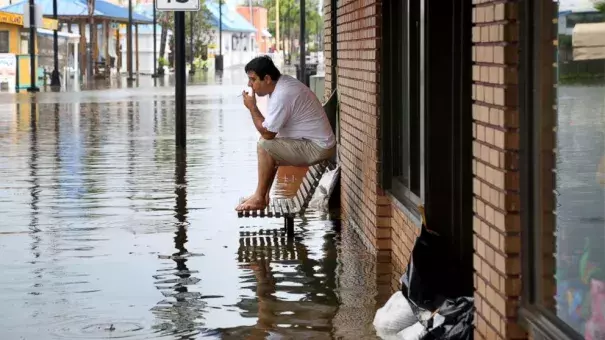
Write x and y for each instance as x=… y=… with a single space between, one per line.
x=252 y=203
x=267 y=198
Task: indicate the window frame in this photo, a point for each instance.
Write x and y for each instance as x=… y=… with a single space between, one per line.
x=398 y=122
x=536 y=318
x=8 y=41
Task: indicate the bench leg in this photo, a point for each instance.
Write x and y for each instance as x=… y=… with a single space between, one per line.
x=289 y=225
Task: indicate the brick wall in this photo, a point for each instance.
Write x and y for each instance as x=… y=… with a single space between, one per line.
x=365 y=207
x=496 y=222
x=358 y=85
x=496 y=202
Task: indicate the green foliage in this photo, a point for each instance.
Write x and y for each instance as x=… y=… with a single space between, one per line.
x=565 y=41
x=199 y=27
x=289 y=17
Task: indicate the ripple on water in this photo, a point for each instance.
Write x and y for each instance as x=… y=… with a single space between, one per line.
x=85 y=328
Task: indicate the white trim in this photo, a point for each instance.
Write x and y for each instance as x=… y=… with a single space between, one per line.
x=70 y=36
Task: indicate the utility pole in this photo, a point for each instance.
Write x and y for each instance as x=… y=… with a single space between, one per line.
x=55 y=79
x=277 y=25
x=218 y=63
x=129 y=42
x=180 y=80
x=155 y=40
x=32 y=48
x=302 y=39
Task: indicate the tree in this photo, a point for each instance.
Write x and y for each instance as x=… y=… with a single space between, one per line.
x=201 y=30
x=166 y=20
x=289 y=17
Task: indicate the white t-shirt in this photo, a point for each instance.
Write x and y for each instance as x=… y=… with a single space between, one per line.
x=293 y=111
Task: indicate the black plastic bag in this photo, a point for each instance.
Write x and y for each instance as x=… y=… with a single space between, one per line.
x=425 y=281
x=455 y=321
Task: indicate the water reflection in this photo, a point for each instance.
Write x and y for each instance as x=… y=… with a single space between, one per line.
x=182 y=311
x=290 y=292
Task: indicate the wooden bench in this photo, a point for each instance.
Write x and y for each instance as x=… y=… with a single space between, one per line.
x=289 y=208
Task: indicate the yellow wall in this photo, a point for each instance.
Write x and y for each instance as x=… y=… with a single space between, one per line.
x=13 y=23
x=24 y=68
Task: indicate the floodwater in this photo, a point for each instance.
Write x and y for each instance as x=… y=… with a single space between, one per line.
x=108 y=232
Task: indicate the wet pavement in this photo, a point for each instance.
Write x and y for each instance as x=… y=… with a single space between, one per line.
x=108 y=232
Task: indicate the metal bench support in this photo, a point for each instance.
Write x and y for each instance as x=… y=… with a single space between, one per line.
x=289 y=226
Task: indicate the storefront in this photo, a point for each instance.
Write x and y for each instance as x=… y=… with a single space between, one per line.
x=461 y=108
x=15 y=56
x=563 y=131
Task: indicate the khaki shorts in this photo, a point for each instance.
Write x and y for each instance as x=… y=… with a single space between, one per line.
x=295 y=152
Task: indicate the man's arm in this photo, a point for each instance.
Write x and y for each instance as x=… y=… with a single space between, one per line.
x=258 y=119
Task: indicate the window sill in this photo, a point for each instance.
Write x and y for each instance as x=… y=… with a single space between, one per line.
x=543 y=327
x=400 y=196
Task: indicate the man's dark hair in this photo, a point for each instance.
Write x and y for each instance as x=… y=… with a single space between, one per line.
x=263 y=66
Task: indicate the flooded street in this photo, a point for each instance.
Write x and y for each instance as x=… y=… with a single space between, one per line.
x=107 y=232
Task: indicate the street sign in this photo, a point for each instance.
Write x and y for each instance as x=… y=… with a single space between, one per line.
x=38 y=13
x=178 y=5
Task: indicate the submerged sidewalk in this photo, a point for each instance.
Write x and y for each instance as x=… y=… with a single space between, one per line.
x=108 y=232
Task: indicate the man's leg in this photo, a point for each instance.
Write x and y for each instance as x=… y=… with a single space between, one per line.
x=279 y=151
x=267 y=168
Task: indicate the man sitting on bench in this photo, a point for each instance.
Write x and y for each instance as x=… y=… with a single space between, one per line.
x=294 y=131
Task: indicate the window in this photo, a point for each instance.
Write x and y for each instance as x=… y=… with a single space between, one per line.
x=4 y=42
x=563 y=129
x=425 y=121
x=402 y=92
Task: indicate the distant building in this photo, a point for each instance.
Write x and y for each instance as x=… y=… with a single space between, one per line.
x=257 y=16
x=238 y=45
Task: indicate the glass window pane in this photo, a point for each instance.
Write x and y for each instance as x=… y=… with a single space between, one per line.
x=414 y=133
x=580 y=169
x=403 y=142
x=4 y=42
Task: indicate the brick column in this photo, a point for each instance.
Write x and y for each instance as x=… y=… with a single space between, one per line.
x=358 y=83
x=496 y=221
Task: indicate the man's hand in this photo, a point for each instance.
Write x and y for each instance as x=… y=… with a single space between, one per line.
x=249 y=100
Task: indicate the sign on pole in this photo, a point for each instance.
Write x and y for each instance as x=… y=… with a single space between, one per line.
x=177 y=5
x=38 y=12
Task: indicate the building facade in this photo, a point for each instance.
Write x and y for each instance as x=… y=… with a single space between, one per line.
x=458 y=109
x=257 y=16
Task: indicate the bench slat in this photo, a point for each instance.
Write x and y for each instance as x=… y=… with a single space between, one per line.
x=300 y=197
x=307 y=185
x=309 y=196
x=292 y=206
x=276 y=208
x=316 y=170
x=312 y=174
x=304 y=190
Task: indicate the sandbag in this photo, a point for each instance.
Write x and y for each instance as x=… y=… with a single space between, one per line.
x=394 y=316
x=414 y=332
x=453 y=320
x=325 y=188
